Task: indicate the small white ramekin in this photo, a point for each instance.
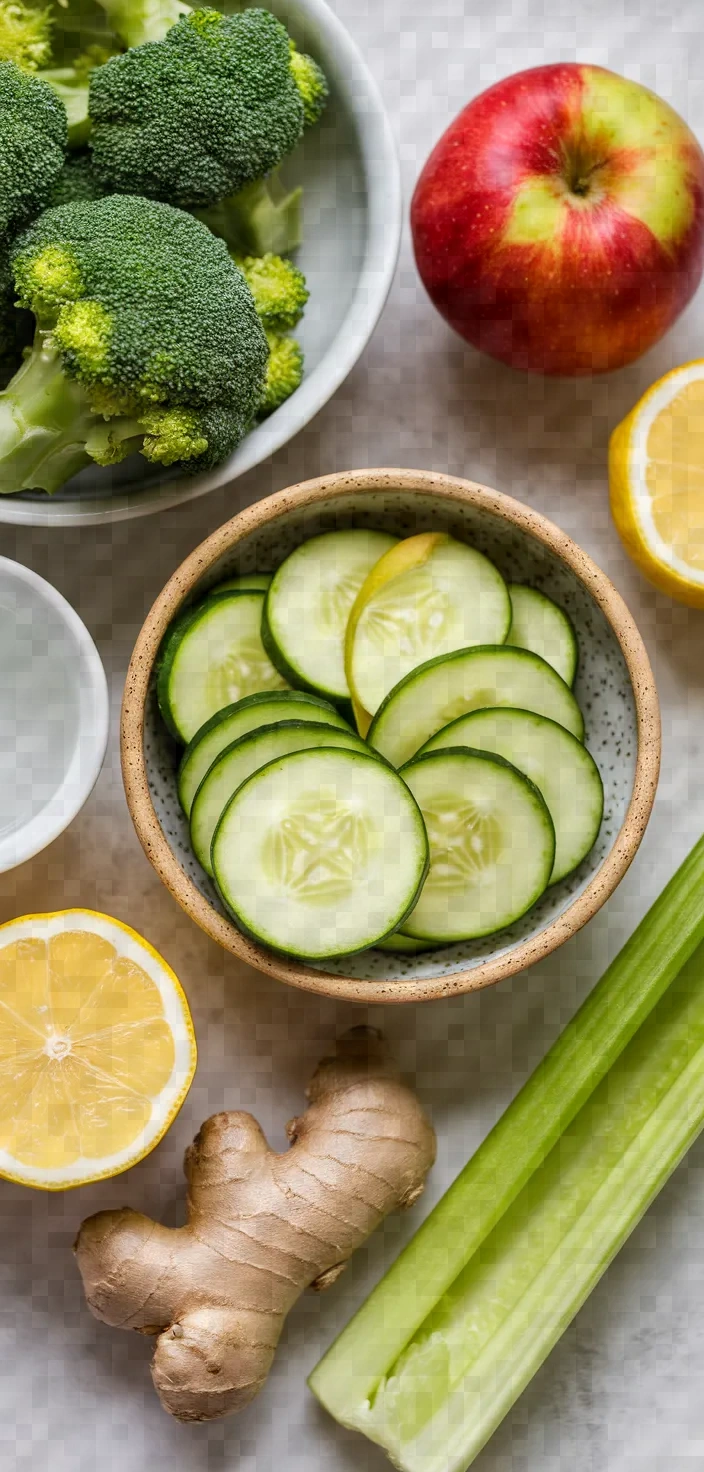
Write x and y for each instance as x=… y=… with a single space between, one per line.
x=53 y=714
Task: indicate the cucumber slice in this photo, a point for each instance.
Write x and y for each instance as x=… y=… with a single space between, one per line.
x=539 y=625
x=308 y=605
x=236 y=720
x=492 y=844
x=469 y=679
x=213 y=656
x=321 y=853
x=559 y=765
x=246 y=755
x=245 y=582
x=403 y=945
x=427 y=596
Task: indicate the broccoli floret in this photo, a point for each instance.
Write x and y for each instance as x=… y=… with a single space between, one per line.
x=283 y=375
x=76 y=180
x=70 y=83
x=279 y=290
x=197 y=116
x=151 y=20
x=262 y=217
x=147 y=339
x=32 y=145
x=25 y=35
x=311 y=83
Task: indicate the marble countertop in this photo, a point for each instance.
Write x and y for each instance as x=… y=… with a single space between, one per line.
x=623 y=1389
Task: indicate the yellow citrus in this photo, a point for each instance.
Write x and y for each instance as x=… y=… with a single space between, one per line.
x=97 y=1049
x=656 y=478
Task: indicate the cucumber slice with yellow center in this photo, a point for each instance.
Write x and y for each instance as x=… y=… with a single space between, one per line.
x=427 y=596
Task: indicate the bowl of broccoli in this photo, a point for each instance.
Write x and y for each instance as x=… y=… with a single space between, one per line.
x=199 y=222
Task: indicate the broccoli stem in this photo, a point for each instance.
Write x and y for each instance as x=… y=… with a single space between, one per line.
x=137 y=21
x=72 y=90
x=45 y=420
x=262 y=219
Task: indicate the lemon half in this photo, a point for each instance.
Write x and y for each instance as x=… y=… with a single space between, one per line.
x=656 y=477
x=97 y=1048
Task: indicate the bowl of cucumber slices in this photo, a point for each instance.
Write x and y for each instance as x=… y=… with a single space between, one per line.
x=390 y=735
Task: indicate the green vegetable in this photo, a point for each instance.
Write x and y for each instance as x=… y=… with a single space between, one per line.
x=279 y=290
x=284 y=373
x=492 y=844
x=76 y=180
x=320 y=853
x=137 y=21
x=548 y=1198
x=249 y=714
x=247 y=755
x=151 y=20
x=212 y=657
x=280 y=294
x=543 y=627
x=147 y=339
x=25 y=35
x=311 y=83
x=559 y=765
x=71 y=85
x=192 y=118
x=32 y=145
x=434 y=693
x=262 y=217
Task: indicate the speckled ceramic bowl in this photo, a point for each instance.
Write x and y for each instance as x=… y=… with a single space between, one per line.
x=614 y=686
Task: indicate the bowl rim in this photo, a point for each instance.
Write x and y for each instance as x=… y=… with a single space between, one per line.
x=384 y=199
x=399 y=989
x=86 y=760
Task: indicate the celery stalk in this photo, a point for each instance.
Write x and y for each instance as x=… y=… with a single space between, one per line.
x=349 y=1375
x=490 y=1333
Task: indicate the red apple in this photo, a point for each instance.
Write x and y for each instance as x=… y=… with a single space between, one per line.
x=559 y=223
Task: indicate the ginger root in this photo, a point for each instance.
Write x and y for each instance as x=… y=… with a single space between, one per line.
x=261 y=1228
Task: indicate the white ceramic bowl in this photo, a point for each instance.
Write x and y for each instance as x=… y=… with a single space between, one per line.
x=53 y=714
x=352 y=213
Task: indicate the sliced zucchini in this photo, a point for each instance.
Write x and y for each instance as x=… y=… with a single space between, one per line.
x=492 y=844
x=237 y=762
x=469 y=679
x=321 y=853
x=427 y=596
x=558 y=764
x=308 y=605
x=214 y=656
x=245 y=582
x=236 y=720
x=539 y=625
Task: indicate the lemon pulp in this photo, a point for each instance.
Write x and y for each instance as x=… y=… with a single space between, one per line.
x=85 y=1049
x=674 y=473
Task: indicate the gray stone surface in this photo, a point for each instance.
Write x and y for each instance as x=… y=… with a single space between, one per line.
x=623 y=1389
